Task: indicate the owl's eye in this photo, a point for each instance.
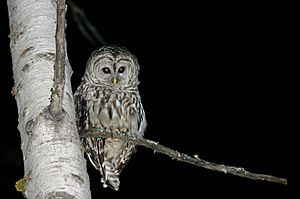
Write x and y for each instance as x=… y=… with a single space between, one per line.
x=121 y=69
x=106 y=70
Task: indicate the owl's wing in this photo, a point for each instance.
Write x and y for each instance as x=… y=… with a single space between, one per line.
x=139 y=120
x=94 y=150
x=80 y=110
x=94 y=147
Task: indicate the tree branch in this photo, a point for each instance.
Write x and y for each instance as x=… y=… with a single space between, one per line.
x=237 y=171
x=59 y=68
x=85 y=26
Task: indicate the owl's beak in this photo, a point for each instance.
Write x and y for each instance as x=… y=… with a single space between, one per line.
x=114 y=81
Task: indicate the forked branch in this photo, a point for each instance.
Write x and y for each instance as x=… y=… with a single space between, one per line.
x=238 y=171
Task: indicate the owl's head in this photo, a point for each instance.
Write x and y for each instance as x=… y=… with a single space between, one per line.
x=112 y=66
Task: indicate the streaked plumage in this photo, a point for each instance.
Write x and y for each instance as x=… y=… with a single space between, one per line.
x=108 y=98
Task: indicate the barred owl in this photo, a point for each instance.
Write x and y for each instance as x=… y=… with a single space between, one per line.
x=108 y=99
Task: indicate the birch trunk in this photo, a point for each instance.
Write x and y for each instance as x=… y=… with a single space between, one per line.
x=54 y=165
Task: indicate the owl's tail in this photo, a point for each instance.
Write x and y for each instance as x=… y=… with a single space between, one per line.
x=110 y=177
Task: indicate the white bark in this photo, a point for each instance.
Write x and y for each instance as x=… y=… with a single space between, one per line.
x=54 y=165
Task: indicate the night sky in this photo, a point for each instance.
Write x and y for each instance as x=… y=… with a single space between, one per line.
x=211 y=84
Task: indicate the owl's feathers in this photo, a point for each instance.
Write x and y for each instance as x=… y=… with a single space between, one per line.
x=108 y=99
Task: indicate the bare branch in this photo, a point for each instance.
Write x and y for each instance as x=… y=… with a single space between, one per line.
x=59 y=68
x=238 y=171
x=85 y=26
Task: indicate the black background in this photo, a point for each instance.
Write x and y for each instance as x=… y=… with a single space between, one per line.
x=212 y=83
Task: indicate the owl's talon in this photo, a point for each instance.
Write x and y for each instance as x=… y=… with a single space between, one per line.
x=124 y=130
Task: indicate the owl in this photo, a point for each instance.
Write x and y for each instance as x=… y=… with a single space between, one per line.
x=108 y=99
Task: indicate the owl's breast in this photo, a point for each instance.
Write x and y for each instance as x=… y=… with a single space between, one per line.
x=114 y=111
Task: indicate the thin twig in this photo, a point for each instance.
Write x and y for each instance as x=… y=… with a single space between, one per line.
x=59 y=68
x=238 y=171
x=85 y=26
